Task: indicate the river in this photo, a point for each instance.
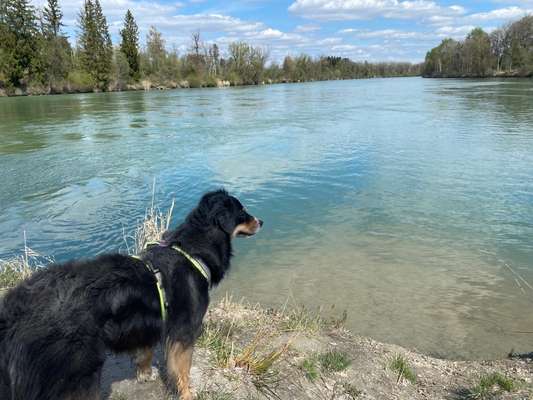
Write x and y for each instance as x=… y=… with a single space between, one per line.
x=408 y=202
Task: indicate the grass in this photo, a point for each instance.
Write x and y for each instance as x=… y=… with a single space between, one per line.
x=212 y=395
x=256 y=361
x=330 y=361
x=400 y=366
x=333 y=361
x=216 y=338
x=310 y=369
x=219 y=339
x=300 y=319
x=17 y=268
x=150 y=229
x=490 y=384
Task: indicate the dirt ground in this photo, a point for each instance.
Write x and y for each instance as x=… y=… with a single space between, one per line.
x=251 y=353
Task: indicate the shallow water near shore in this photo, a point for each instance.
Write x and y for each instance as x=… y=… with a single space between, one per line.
x=407 y=202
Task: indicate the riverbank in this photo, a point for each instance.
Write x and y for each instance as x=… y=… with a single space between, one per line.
x=69 y=88
x=495 y=75
x=147 y=85
x=248 y=352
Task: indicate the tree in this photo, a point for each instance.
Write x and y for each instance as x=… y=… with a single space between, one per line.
x=288 y=68
x=105 y=47
x=480 y=54
x=94 y=42
x=155 y=46
x=498 y=45
x=19 y=46
x=521 y=43
x=130 y=45
x=57 y=53
x=247 y=62
x=214 y=59
x=52 y=16
x=195 y=58
x=477 y=50
x=121 y=69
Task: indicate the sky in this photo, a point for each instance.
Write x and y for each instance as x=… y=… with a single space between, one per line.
x=372 y=30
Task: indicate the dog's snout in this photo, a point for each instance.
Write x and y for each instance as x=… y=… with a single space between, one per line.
x=260 y=222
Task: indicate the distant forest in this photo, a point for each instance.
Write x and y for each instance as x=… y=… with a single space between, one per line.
x=507 y=51
x=36 y=57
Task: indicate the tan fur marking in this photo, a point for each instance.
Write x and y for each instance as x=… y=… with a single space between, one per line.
x=249 y=228
x=179 y=360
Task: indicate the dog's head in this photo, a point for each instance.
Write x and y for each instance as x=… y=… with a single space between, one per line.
x=228 y=214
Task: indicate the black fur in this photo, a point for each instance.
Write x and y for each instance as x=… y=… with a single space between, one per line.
x=56 y=326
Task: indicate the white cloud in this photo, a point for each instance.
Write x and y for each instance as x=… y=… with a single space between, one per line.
x=329 y=41
x=508 y=13
x=337 y=10
x=270 y=34
x=307 y=28
x=455 y=32
x=383 y=33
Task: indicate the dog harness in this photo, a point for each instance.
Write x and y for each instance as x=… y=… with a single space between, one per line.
x=196 y=263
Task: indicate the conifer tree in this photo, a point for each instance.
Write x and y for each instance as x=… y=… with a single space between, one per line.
x=130 y=44
x=105 y=47
x=52 y=16
x=95 y=47
x=5 y=59
x=57 y=52
x=19 y=46
x=87 y=37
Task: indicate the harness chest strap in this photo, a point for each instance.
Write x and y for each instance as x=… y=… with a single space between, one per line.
x=159 y=285
x=198 y=264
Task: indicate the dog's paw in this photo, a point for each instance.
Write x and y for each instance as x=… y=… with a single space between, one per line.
x=148 y=376
x=186 y=396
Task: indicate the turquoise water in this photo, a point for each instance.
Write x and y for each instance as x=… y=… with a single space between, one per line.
x=406 y=202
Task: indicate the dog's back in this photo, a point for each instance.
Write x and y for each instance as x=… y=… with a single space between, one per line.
x=56 y=326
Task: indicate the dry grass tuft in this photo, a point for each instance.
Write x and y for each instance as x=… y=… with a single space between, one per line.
x=256 y=361
x=150 y=229
x=15 y=269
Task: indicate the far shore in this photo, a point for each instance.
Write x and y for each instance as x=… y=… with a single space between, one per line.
x=148 y=85
x=494 y=75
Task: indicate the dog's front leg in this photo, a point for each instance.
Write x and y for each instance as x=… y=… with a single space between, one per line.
x=179 y=360
x=143 y=362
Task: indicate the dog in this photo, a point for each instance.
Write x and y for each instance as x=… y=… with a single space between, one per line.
x=57 y=326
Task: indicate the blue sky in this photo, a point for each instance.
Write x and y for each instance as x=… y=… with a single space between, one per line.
x=373 y=30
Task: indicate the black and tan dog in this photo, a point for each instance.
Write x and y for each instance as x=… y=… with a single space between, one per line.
x=56 y=326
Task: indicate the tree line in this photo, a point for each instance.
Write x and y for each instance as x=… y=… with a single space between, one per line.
x=37 y=57
x=507 y=51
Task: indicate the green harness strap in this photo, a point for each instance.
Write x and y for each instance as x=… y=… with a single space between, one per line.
x=159 y=284
x=197 y=264
x=202 y=268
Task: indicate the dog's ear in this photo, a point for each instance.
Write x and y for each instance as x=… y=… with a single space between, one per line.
x=218 y=209
x=224 y=219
